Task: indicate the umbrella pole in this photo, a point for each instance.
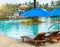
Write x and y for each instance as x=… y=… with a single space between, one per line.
x=36 y=20
x=36 y=23
x=37 y=28
x=34 y=3
x=58 y=22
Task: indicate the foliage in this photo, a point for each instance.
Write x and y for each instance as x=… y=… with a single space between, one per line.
x=4 y=18
x=58 y=3
x=31 y=21
x=7 y=8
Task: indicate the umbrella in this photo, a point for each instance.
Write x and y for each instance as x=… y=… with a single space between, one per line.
x=16 y=12
x=23 y=7
x=56 y=12
x=35 y=12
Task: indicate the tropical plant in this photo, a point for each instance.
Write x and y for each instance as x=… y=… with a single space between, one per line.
x=58 y=3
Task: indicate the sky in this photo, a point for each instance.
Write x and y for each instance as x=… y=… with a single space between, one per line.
x=23 y=1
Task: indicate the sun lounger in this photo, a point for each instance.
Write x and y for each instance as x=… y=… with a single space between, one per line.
x=58 y=36
x=40 y=38
x=53 y=36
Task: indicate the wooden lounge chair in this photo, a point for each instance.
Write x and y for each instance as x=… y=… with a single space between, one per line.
x=53 y=36
x=54 y=33
x=58 y=33
x=40 y=38
x=58 y=36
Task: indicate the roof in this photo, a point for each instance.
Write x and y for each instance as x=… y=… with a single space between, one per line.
x=23 y=6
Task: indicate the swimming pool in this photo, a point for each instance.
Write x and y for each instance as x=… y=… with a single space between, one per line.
x=17 y=30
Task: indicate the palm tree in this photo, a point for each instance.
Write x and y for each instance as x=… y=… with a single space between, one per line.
x=58 y=3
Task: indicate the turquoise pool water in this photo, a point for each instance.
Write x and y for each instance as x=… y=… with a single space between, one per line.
x=17 y=30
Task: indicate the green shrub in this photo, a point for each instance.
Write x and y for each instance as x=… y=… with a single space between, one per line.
x=30 y=21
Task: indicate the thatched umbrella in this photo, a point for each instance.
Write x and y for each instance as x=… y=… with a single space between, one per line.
x=23 y=6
